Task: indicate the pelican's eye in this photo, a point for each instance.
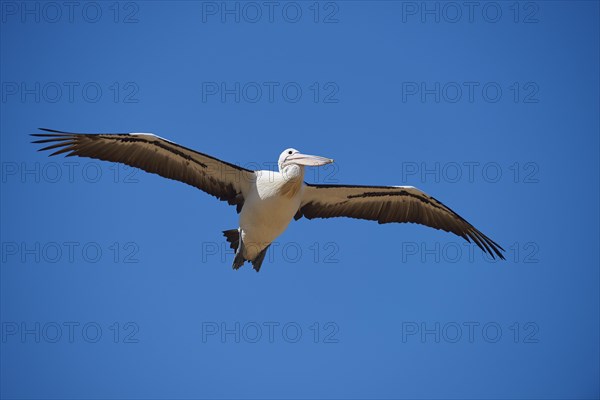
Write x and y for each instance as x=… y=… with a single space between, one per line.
x=290 y=152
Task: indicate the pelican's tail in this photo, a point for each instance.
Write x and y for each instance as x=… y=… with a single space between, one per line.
x=233 y=237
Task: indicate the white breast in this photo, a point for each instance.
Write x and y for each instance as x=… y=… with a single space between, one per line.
x=268 y=209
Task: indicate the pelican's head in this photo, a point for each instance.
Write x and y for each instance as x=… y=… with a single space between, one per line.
x=294 y=157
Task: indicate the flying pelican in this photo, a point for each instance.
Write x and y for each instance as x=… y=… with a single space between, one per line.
x=266 y=200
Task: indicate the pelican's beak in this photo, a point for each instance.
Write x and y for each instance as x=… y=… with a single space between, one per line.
x=308 y=160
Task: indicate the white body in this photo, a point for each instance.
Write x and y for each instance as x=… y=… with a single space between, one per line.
x=269 y=207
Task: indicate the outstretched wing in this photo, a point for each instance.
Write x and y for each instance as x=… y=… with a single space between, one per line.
x=156 y=155
x=386 y=204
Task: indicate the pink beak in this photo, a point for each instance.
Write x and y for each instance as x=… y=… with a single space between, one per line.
x=308 y=160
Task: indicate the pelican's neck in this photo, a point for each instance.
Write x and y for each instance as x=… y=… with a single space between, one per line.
x=292 y=172
x=290 y=184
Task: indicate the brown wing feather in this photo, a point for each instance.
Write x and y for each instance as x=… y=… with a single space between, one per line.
x=386 y=204
x=156 y=155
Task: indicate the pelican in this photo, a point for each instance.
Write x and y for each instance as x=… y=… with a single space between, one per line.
x=266 y=201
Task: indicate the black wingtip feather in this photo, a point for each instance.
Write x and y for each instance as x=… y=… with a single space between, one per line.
x=55 y=145
x=41 y=141
x=485 y=243
x=55 y=131
x=63 y=150
x=52 y=135
x=494 y=246
x=60 y=140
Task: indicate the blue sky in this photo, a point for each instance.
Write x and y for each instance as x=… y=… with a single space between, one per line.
x=118 y=284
